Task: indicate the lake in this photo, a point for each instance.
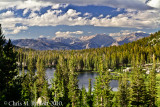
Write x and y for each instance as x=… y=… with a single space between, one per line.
x=83 y=78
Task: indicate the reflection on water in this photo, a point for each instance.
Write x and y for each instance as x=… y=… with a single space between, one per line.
x=83 y=78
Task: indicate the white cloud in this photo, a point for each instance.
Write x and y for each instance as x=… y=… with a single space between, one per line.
x=72 y=13
x=136 y=19
x=121 y=33
x=87 y=14
x=6 y=14
x=131 y=19
x=33 y=5
x=57 y=6
x=25 y=12
x=9 y=23
x=118 y=9
x=140 y=31
x=33 y=14
x=55 y=17
x=42 y=36
x=100 y=15
x=124 y=33
x=154 y=3
x=68 y=33
x=27 y=4
x=18 y=29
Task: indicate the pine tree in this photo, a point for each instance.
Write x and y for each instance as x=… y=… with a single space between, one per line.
x=102 y=90
x=138 y=92
x=123 y=91
x=25 y=92
x=73 y=93
x=35 y=93
x=31 y=68
x=152 y=84
x=60 y=82
x=58 y=87
x=31 y=62
x=41 y=77
x=7 y=68
x=45 y=92
x=84 y=98
x=28 y=84
x=90 y=102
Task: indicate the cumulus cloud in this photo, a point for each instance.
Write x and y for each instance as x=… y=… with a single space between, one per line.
x=68 y=33
x=9 y=21
x=56 y=17
x=34 y=5
x=18 y=29
x=57 y=6
x=6 y=14
x=132 y=18
x=154 y=3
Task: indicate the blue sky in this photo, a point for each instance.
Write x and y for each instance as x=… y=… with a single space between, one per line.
x=57 y=18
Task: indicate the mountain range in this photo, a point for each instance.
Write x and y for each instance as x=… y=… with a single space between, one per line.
x=84 y=42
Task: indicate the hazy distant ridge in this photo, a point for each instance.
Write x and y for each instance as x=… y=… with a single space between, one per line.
x=85 y=42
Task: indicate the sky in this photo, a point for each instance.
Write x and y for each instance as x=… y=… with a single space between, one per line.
x=22 y=19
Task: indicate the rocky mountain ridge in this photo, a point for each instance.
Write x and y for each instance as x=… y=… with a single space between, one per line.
x=85 y=42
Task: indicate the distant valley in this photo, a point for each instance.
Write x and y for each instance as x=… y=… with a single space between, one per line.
x=76 y=43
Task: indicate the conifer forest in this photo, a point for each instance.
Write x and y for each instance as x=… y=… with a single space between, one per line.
x=135 y=65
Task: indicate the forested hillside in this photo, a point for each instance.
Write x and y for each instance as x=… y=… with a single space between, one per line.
x=88 y=59
x=136 y=88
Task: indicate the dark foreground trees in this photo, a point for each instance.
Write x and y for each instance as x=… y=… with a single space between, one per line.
x=8 y=82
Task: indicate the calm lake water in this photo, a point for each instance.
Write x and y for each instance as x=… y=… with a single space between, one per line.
x=83 y=78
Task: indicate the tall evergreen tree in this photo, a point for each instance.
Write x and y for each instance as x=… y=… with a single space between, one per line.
x=102 y=90
x=35 y=93
x=138 y=92
x=7 y=68
x=28 y=83
x=73 y=93
x=84 y=98
x=123 y=91
x=58 y=89
x=152 y=84
x=90 y=97
x=45 y=92
x=41 y=77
